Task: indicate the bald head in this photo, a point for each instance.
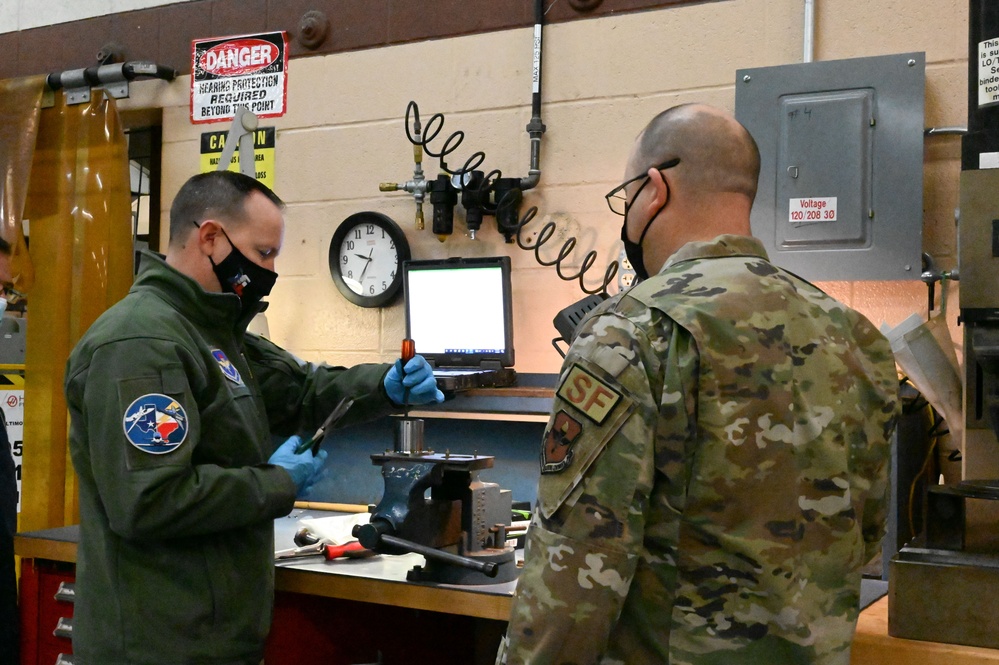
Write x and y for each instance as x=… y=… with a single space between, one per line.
x=717 y=154
x=707 y=193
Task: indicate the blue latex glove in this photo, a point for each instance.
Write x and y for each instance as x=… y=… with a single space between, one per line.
x=303 y=468
x=418 y=377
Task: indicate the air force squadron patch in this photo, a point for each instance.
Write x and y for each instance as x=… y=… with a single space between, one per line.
x=228 y=369
x=591 y=396
x=155 y=423
x=556 y=454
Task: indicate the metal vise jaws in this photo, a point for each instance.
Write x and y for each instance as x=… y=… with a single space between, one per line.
x=460 y=528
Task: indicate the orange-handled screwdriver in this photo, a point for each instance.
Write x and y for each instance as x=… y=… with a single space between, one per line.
x=408 y=351
x=352 y=550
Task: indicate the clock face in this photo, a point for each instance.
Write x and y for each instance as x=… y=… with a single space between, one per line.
x=366 y=256
x=368 y=259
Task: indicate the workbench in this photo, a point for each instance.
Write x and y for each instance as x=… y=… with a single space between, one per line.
x=382 y=579
x=349 y=611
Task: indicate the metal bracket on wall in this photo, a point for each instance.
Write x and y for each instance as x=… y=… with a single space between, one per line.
x=113 y=78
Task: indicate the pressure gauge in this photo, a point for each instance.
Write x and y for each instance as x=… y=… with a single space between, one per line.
x=366 y=255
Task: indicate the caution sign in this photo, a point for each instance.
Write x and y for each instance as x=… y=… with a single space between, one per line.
x=213 y=143
x=12 y=403
x=249 y=70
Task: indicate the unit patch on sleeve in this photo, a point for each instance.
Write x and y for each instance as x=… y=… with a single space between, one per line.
x=556 y=454
x=155 y=423
x=594 y=398
x=228 y=369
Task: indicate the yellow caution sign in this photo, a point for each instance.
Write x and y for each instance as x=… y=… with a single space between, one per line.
x=11 y=378
x=213 y=143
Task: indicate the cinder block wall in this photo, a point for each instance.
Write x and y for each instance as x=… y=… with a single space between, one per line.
x=603 y=79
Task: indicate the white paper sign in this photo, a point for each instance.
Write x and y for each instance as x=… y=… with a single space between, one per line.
x=988 y=160
x=812 y=209
x=13 y=409
x=988 y=72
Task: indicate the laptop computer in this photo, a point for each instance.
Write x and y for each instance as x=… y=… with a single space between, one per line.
x=459 y=313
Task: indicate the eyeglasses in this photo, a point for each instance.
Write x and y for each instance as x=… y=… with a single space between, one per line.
x=617 y=198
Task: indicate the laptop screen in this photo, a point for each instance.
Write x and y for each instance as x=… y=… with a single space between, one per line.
x=459 y=311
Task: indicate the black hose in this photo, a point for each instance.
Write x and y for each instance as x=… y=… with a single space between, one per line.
x=544 y=235
x=451 y=143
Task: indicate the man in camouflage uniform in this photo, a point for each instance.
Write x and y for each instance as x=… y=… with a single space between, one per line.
x=715 y=469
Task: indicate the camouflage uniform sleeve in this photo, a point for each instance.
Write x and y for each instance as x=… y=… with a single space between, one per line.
x=597 y=462
x=872 y=463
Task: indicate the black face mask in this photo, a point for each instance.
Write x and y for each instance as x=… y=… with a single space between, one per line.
x=238 y=274
x=633 y=250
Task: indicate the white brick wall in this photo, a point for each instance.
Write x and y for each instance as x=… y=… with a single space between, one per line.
x=603 y=80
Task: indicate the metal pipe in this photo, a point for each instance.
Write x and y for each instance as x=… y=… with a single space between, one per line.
x=375 y=534
x=488 y=568
x=535 y=128
x=809 y=37
x=105 y=74
x=945 y=131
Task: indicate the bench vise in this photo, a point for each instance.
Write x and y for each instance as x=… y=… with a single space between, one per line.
x=460 y=528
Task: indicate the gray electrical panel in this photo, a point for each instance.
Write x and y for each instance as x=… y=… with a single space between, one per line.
x=841 y=179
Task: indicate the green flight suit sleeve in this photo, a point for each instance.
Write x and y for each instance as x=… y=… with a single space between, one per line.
x=174 y=493
x=598 y=461
x=300 y=395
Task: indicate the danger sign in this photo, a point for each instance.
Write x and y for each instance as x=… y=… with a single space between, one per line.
x=249 y=70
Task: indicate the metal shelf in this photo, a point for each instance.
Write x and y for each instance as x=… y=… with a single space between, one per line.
x=528 y=401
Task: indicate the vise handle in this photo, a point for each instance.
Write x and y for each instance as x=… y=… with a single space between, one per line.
x=375 y=533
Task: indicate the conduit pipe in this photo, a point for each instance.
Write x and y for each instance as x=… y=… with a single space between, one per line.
x=809 y=32
x=535 y=128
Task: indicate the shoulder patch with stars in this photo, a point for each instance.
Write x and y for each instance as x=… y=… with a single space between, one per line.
x=155 y=423
x=228 y=369
x=591 y=396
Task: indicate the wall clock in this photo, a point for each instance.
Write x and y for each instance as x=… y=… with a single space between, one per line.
x=366 y=255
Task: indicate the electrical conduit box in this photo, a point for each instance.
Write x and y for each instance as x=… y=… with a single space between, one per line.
x=841 y=179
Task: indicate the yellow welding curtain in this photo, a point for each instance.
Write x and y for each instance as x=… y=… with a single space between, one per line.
x=20 y=106
x=80 y=241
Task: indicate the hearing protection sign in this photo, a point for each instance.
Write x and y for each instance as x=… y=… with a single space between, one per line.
x=249 y=71
x=213 y=143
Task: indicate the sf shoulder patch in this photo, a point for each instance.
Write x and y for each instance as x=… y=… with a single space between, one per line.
x=228 y=369
x=155 y=423
x=556 y=455
x=594 y=398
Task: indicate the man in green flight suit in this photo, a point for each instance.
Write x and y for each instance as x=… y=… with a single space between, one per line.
x=172 y=407
x=715 y=470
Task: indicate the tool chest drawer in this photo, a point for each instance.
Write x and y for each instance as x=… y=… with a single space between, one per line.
x=47 y=595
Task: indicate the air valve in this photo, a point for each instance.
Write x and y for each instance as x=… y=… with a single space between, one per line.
x=508 y=195
x=475 y=193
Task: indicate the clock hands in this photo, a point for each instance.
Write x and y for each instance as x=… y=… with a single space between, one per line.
x=367 y=262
